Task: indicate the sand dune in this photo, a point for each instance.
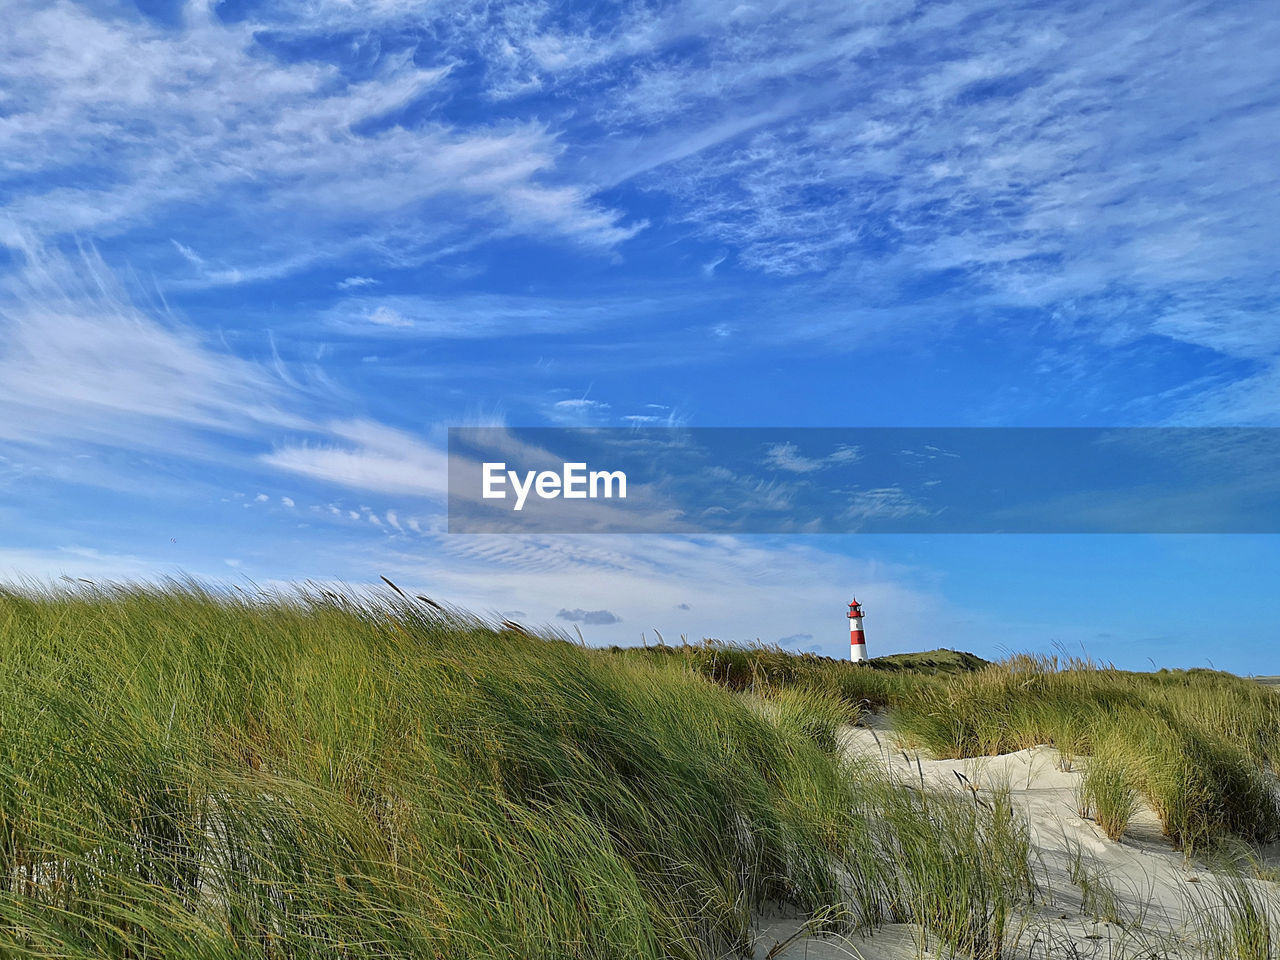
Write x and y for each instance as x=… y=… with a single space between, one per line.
x=1138 y=897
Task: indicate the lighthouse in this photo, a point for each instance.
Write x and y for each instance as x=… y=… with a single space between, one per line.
x=857 y=639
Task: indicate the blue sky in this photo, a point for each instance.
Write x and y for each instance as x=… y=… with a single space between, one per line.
x=255 y=259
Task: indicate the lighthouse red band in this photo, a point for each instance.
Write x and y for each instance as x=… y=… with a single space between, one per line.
x=857 y=639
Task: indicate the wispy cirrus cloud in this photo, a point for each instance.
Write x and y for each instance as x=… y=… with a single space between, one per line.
x=84 y=368
x=787 y=456
x=209 y=114
x=1073 y=162
x=956 y=163
x=364 y=455
x=80 y=360
x=486 y=316
x=999 y=158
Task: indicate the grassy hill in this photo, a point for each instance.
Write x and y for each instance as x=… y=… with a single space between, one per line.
x=1201 y=747
x=185 y=774
x=190 y=775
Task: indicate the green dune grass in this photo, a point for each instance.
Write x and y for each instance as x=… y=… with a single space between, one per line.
x=187 y=774
x=1201 y=747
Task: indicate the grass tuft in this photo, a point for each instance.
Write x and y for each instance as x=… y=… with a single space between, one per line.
x=1107 y=790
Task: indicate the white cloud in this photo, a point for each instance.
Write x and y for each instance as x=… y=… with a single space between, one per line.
x=578 y=410
x=386 y=317
x=1251 y=400
x=350 y=283
x=581 y=403
x=480 y=316
x=1039 y=163
x=79 y=360
x=188 y=254
x=748 y=587
x=206 y=114
x=368 y=456
x=1035 y=160
x=82 y=367
x=19 y=565
x=787 y=456
x=211 y=276
x=884 y=503
x=1070 y=160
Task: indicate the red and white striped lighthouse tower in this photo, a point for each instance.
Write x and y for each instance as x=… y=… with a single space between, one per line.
x=857 y=639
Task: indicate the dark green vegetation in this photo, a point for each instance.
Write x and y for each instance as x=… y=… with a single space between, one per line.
x=931 y=661
x=871 y=685
x=191 y=775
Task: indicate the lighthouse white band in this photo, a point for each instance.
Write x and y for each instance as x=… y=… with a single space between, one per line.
x=857 y=639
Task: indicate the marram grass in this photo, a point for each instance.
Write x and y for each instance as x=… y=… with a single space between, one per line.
x=1201 y=747
x=190 y=774
x=1108 y=790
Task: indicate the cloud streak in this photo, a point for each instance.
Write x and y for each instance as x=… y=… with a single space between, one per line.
x=79 y=360
x=368 y=456
x=209 y=115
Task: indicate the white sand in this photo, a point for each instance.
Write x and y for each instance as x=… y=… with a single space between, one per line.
x=1154 y=887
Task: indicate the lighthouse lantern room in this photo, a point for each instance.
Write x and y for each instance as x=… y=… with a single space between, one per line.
x=857 y=639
